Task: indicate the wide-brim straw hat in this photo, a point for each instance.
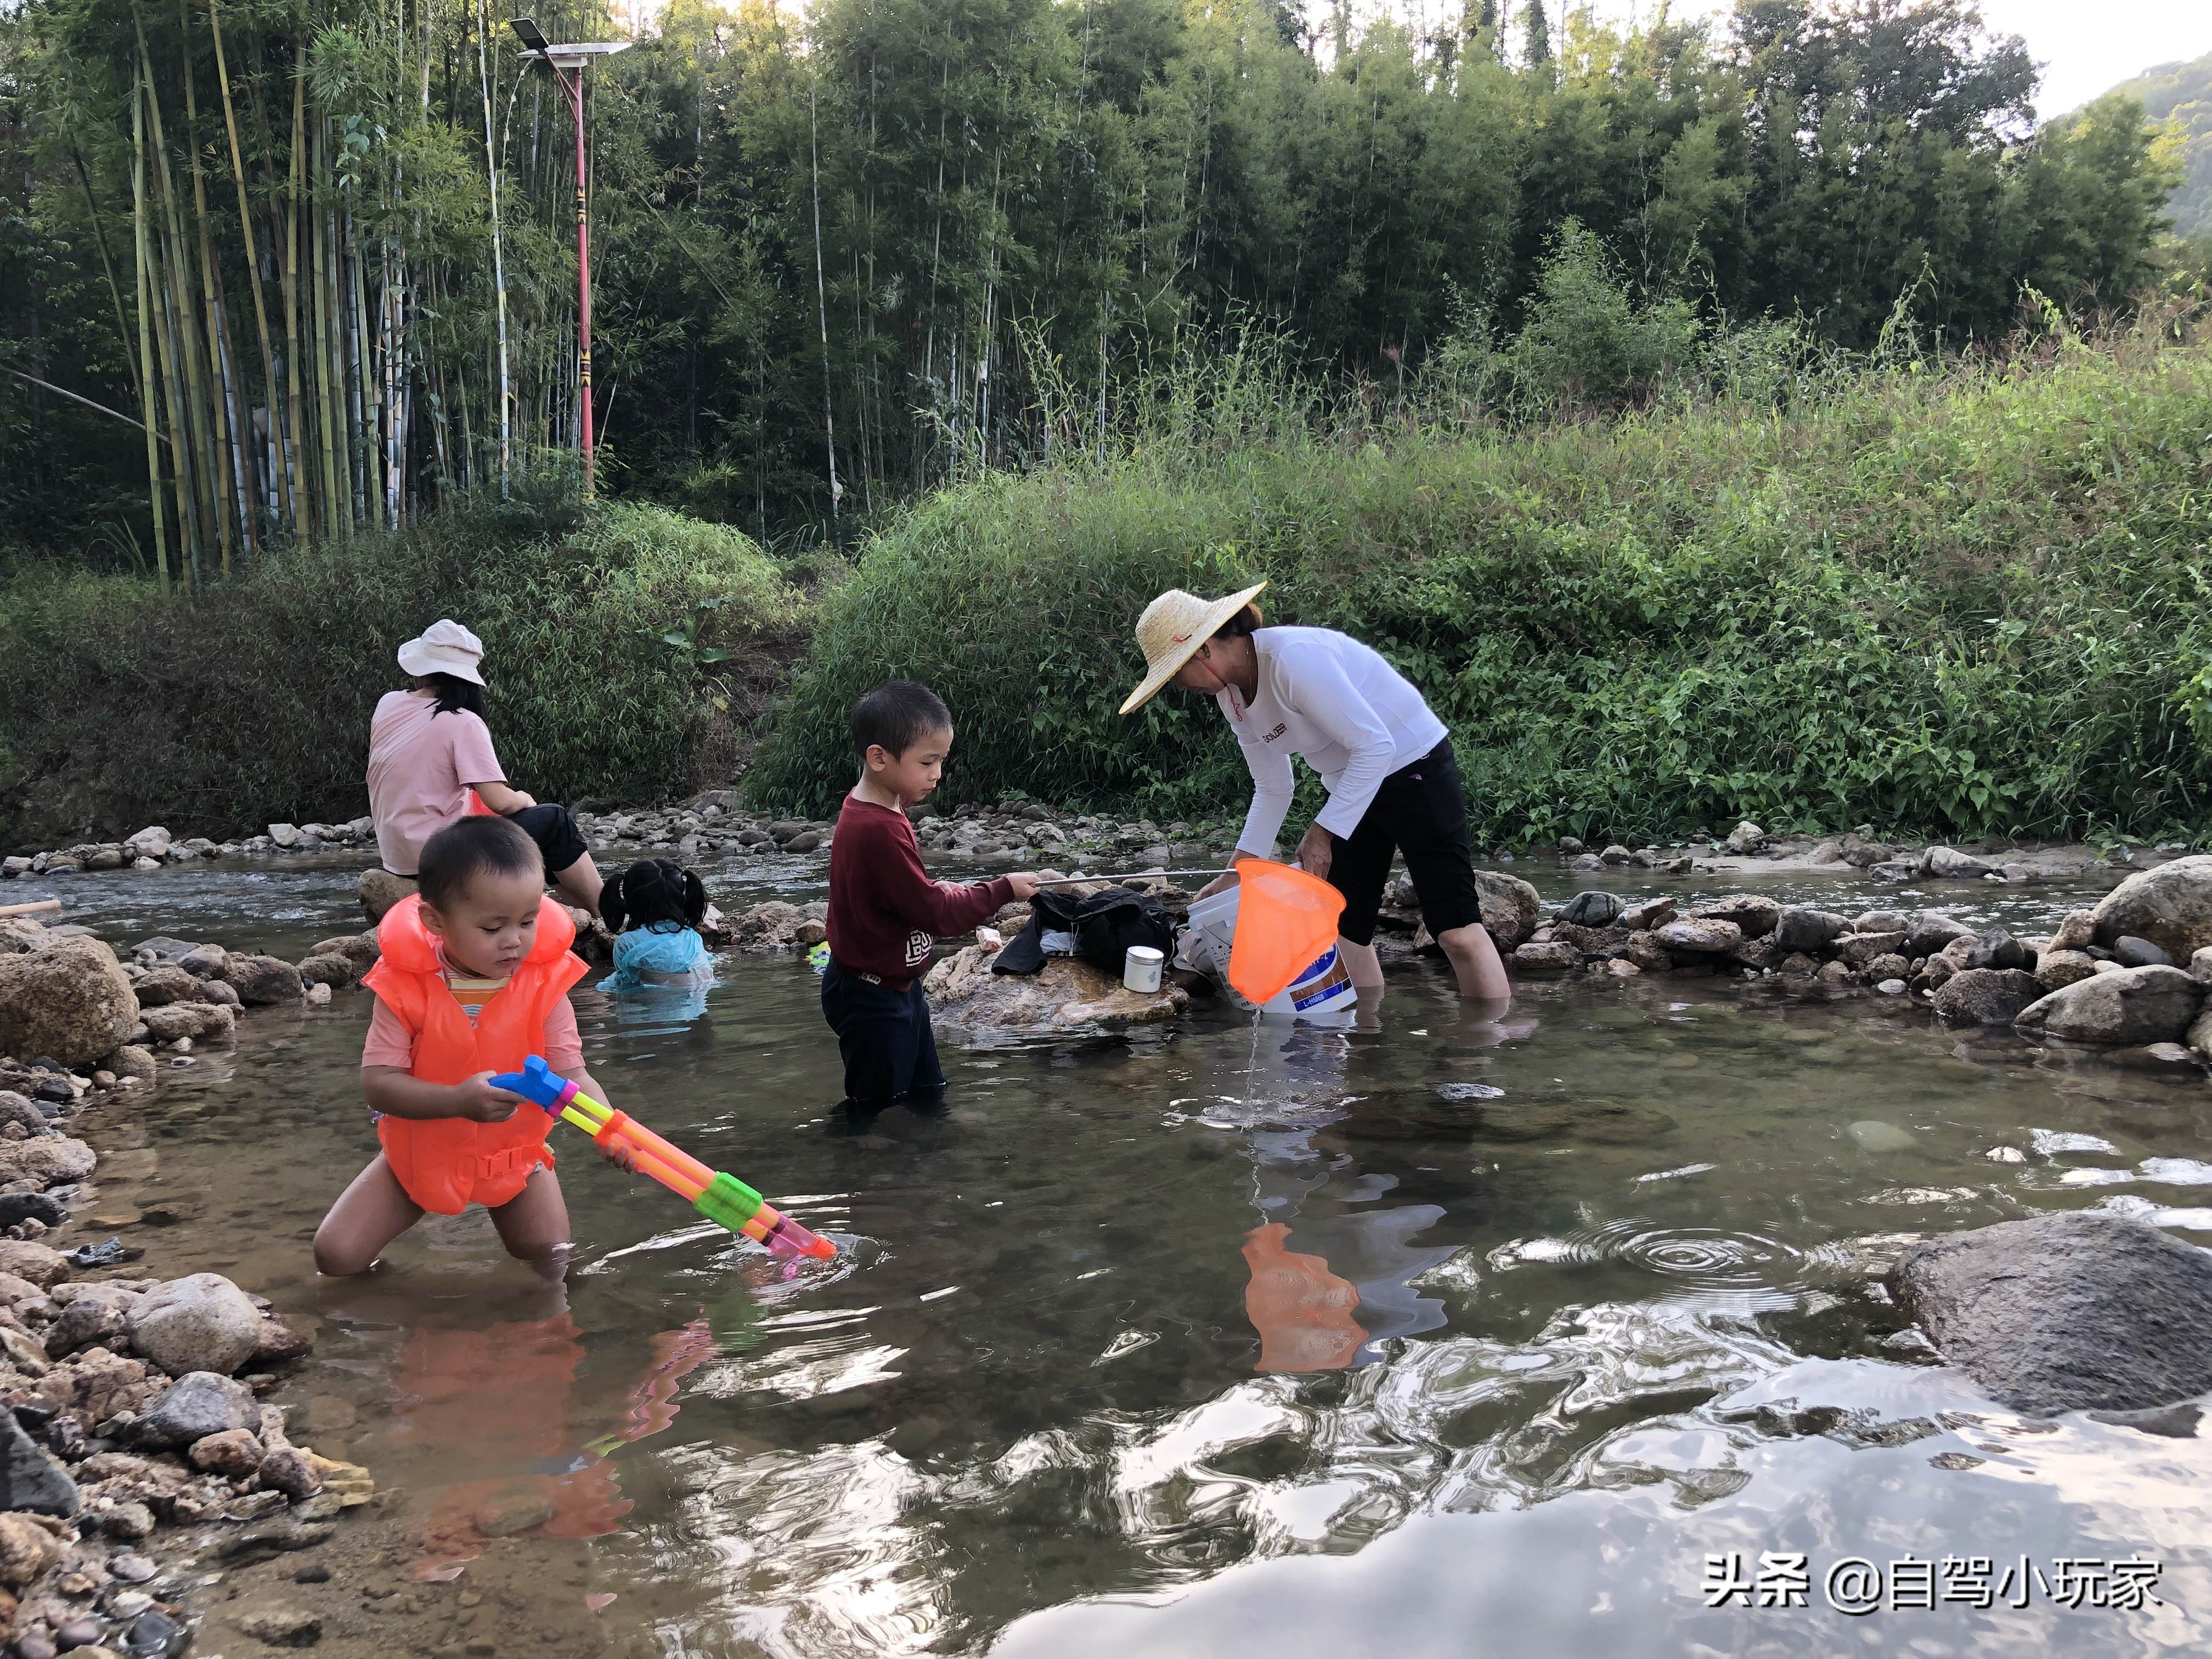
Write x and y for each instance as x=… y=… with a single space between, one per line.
x=1170 y=631
x=444 y=647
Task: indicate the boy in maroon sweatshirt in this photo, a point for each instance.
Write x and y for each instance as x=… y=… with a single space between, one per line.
x=885 y=914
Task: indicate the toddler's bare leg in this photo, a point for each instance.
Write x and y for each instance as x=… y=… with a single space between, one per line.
x=533 y=1224
x=368 y=1215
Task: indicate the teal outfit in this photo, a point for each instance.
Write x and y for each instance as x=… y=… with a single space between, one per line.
x=663 y=953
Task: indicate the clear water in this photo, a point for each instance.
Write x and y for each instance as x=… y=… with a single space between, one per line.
x=1438 y=1336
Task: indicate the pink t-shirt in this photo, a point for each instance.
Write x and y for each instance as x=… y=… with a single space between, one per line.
x=422 y=765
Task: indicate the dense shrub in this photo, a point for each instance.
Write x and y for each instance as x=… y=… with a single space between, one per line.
x=1956 y=603
x=218 y=712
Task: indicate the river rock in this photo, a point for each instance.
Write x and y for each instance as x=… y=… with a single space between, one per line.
x=1702 y=937
x=46 y=1161
x=174 y=1020
x=1948 y=864
x=167 y=983
x=774 y=925
x=1800 y=927
x=1547 y=956
x=194 y=1407
x=202 y=1322
x=2170 y=906
x=1651 y=913
x=1931 y=930
x=284 y=1627
x=1593 y=908
x=30 y=1480
x=1644 y=950
x=133 y=1060
x=1068 y=995
x=262 y=981
x=27 y=1551
x=2077 y=932
x=1860 y=949
x=2073 y=1310
x=1754 y=916
x=84 y=1324
x=327 y=971
x=68 y=999
x=203 y=961
x=2132 y=953
x=2127 y=1007
x=1986 y=996
x=1510 y=908
x=1998 y=949
x=380 y=889
x=232 y=1453
x=2055 y=969
x=1746 y=837
x=35 y=1263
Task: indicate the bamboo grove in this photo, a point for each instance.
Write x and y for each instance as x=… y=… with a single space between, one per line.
x=318 y=253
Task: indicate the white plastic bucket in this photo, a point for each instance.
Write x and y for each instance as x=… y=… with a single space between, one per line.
x=1321 y=994
x=1140 y=968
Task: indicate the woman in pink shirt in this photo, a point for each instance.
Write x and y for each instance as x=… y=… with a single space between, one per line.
x=429 y=747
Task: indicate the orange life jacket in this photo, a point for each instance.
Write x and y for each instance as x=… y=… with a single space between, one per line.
x=447 y=1163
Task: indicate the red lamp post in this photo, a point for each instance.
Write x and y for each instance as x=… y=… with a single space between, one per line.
x=567 y=61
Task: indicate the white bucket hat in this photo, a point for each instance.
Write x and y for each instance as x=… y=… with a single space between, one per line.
x=1171 y=630
x=444 y=647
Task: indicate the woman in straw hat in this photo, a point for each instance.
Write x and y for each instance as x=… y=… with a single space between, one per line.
x=430 y=762
x=1393 y=781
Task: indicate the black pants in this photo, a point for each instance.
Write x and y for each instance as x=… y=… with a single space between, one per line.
x=890 y=1050
x=555 y=833
x=1419 y=811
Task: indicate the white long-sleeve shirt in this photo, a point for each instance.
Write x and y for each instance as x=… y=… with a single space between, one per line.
x=1326 y=696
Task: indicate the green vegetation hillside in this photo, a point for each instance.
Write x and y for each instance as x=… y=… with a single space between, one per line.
x=1961 y=603
x=2182 y=93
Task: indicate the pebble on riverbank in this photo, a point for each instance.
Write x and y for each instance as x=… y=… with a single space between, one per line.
x=125 y=1418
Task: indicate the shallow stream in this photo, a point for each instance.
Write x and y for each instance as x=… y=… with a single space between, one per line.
x=1434 y=1337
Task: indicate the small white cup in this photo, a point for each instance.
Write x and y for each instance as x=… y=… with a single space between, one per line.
x=1140 y=968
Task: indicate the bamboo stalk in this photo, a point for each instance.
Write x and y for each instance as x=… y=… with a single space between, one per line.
x=324 y=307
x=143 y=263
x=161 y=296
x=182 y=301
x=282 y=482
x=222 y=413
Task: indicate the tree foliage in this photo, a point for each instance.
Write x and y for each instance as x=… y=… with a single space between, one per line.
x=842 y=258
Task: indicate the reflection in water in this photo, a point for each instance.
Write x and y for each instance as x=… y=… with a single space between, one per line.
x=1444 y=1332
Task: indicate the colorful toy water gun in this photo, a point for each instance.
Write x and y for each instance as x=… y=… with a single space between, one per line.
x=722 y=1199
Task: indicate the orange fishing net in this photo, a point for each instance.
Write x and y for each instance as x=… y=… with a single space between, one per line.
x=1286 y=919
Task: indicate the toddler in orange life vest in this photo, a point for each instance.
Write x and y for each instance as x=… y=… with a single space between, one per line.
x=474 y=977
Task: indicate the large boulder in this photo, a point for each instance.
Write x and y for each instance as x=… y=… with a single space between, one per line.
x=201 y=1322
x=1950 y=864
x=69 y=999
x=380 y=889
x=1510 y=908
x=172 y=1020
x=30 y=1481
x=2077 y=1310
x=2128 y=1007
x=1750 y=911
x=1068 y=995
x=2055 y=969
x=1702 y=937
x=1931 y=931
x=45 y=1161
x=1800 y=927
x=2170 y=906
x=196 y=1404
x=1593 y=908
x=1986 y=996
x=1550 y=956
x=262 y=981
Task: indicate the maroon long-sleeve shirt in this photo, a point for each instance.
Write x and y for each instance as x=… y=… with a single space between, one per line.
x=885 y=911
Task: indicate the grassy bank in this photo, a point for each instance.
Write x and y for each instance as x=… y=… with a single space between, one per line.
x=1971 y=602
x=220 y=712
